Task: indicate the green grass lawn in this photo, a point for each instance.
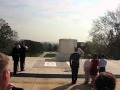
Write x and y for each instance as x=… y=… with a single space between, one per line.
x=50 y=55
x=34 y=55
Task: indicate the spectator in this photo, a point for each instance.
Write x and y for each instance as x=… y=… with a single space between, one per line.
x=87 y=64
x=102 y=64
x=94 y=69
x=23 y=50
x=15 y=56
x=105 y=81
x=74 y=64
x=5 y=74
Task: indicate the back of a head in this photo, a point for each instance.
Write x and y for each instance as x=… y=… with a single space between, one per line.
x=103 y=56
x=95 y=56
x=4 y=61
x=88 y=56
x=16 y=43
x=105 y=81
x=22 y=44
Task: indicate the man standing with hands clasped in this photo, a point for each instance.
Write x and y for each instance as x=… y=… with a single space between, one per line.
x=23 y=50
x=74 y=64
x=15 y=55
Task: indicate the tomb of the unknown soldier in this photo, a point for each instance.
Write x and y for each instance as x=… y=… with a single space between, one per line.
x=66 y=47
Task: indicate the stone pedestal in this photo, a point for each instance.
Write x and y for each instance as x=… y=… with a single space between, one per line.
x=66 y=47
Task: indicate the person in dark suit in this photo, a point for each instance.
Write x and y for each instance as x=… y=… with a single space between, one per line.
x=15 y=56
x=23 y=50
x=74 y=64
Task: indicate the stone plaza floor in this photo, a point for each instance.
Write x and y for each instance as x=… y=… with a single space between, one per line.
x=48 y=74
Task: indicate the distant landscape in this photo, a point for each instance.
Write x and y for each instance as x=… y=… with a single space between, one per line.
x=105 y=38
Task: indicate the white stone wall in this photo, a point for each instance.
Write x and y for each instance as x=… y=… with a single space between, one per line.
x=66 y=47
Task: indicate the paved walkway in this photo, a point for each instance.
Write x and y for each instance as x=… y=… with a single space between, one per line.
x=47 y=74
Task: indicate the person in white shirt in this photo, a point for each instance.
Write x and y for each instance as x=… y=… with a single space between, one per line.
x=102 y=64
x=87 y=64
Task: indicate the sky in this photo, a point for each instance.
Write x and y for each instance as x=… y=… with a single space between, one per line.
x=51 y=20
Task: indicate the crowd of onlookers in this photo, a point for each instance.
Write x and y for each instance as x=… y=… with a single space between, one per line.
x=95 y=71
x=94 y=68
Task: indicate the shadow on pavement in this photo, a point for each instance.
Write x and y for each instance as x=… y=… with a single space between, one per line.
x=81 y=87
x=75 y=87
x=64 y=87
x=36 y=75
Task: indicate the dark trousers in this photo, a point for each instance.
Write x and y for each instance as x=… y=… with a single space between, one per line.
x=74 y=74
x=22 y=63
x=15 y=66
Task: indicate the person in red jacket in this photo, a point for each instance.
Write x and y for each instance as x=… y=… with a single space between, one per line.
x=94 y=69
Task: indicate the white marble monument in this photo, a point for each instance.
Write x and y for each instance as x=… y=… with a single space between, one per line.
x=66 y=47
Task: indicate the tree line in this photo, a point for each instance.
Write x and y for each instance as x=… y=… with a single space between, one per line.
x=8 y=37
x=106 y=35
x=37 y=48
x=105 y=38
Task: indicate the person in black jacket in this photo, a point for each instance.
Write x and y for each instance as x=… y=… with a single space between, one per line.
x=15 y=56
x=74 y=64
x=23 y=50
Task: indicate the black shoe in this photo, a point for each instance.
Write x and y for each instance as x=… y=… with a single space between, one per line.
x=73 y=82
x=15 y=73
x=91 y=85
x=22 y=70
x=85 y=82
